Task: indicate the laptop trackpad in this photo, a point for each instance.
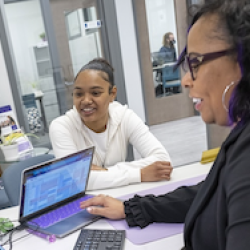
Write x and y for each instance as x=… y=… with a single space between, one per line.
x=72 y=223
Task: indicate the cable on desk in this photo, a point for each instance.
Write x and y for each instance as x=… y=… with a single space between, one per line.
x=22 y=227
x=11 y=232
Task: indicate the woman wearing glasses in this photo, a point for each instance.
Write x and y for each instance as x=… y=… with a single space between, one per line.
x=216 y=212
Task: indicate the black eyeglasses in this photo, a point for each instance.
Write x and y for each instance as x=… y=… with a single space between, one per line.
x=192 y=61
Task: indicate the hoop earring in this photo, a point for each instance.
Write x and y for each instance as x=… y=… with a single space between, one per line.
x=224 y=94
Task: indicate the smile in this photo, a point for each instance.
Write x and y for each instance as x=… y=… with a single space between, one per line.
x=198 y=103
x=197 y=100
x=88 y=111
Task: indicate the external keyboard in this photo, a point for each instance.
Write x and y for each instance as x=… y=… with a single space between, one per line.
x=100 y=240
x=60 y=213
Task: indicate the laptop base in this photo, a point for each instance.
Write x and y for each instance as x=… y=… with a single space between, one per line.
x=68 y=225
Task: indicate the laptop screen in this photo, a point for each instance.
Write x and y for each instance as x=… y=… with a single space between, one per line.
x=53 y=182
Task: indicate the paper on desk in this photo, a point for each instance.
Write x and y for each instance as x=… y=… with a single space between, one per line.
x=209 y=155
x=154 y=231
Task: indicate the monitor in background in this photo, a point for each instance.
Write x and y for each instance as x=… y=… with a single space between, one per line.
x=159 y=58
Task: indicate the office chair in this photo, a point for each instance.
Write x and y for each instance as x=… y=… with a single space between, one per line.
x=12 y=176
x=4 y=200
x=170 y=78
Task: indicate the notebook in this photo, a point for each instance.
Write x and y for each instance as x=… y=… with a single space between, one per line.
x=51 y=194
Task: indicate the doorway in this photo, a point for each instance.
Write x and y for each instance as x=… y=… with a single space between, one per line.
x=165 y=100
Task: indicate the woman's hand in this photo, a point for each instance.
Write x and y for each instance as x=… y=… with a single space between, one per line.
x=97 y=168
x=158 y=171
x=105 y=206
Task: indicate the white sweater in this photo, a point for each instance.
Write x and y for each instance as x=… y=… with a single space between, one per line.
x=68 y=135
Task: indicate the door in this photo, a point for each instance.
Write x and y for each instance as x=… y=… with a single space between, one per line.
x=156 y=21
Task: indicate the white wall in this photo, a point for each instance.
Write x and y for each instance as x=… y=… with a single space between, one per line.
x=86 y=47
x=161 y=19
x=130 y=61
x=6 y=96
x=25 y=25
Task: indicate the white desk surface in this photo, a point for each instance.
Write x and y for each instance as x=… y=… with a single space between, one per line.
x=174 y=243
x=164 y=65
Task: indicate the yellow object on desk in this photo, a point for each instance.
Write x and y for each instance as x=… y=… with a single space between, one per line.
x=209 y=155
x=12 y=137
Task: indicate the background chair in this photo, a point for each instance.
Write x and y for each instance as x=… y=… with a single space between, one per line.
x=4 y=200
x=12 y=176
x=170 y=79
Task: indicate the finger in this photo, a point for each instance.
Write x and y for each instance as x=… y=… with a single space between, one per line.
x=165 y=177
x=102 y=211
x=163 y=172
x=101 y=195
x=96 y=201
x=162 y=166
x=167 y=167
x=165 y=163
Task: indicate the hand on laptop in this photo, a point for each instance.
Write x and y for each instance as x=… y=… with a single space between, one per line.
x=97 y=168
x=158 y=171
x=105 y=206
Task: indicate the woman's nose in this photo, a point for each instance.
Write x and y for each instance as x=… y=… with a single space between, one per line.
x=86 y=99
x=186 y=81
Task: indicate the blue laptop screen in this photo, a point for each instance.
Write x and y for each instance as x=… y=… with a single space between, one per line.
x=54 y=182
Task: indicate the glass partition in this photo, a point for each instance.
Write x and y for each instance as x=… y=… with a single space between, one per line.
x=77 y=33
x=84 y=42
x=33 y=66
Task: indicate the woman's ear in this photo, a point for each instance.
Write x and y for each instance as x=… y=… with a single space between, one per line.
x=113 y=93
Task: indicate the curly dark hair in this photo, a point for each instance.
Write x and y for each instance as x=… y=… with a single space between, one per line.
x=233 y=27
x=103 y=66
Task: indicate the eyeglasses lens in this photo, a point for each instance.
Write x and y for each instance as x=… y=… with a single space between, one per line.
x=185 y=65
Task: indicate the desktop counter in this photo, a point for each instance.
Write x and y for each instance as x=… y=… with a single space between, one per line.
x=174 y=242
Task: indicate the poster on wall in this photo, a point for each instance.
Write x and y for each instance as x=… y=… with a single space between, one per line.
x=8 y=121
x=10 y=128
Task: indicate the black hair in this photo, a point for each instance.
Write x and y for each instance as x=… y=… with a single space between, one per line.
x=103 y=66
x=233 y=27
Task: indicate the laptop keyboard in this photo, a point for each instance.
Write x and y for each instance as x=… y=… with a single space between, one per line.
x=60 y=213
x=100 y=240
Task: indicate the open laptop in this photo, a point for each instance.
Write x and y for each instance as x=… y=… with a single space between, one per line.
x=51 y=194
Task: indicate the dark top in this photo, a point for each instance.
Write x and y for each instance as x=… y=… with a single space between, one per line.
x=217 y=211
x=168 y=54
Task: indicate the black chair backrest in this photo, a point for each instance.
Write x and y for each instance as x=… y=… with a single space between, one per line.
x=12 y=176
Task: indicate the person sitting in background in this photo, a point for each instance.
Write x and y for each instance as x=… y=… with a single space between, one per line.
x=216 y=212
x=167 y=51
x=96 y=119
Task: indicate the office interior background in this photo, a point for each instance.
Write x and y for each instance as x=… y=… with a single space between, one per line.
x=45 y=42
